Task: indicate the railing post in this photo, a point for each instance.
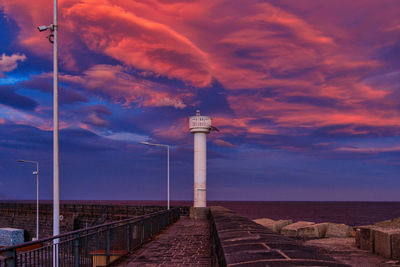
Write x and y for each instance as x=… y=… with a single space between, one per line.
x=108 y=234
x=11 y=258
x=128 y=238
x=76 y=250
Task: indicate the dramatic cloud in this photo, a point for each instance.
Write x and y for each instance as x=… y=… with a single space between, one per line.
x=308 y=78
x=10 y=98
x=121 y=87
x=10 y=63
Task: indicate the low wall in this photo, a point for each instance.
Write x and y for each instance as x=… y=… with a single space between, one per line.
x=238 y=241
x=75 y=216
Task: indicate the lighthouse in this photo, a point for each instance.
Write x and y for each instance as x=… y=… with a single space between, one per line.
x=200 y=126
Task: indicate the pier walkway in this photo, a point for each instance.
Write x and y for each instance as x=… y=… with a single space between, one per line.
x=185 y=243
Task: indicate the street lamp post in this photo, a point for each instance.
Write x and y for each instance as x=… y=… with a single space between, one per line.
x=167 y=146
x=56 y=162
x=37 y=193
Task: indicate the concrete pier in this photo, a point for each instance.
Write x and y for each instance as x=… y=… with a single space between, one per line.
x=232 y=241
x=186 y=243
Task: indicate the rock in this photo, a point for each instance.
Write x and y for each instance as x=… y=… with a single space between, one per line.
x=338 y=230
x=273 y=225
x=11 y=236
x=313 y=231
x=291 y=229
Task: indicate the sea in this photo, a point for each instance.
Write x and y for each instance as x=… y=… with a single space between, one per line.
x=350 y=213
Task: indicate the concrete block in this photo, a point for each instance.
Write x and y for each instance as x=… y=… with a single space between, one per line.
x=382 y=243
x=396 y=246
x=291 y=229
x=338 y=230
x=386 y=242
x=393 y=223
x=313 y=231
x=366 y=239
x=273 y=225
x=11 y=236
x=358 y=238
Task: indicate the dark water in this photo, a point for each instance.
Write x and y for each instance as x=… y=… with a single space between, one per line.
x=350 y=213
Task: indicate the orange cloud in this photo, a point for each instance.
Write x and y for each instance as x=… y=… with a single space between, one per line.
x=223 y=143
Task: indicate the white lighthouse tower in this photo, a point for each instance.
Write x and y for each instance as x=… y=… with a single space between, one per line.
x=200 y=126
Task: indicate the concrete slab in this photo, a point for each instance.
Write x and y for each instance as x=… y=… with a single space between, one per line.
x=396 y=246
x=383 y=244
x=273 y=225
x=365 y=238
x=313 y=231
x=292 y=229
x=338 y=230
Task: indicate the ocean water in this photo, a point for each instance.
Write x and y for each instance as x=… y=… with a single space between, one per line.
x=350 y=213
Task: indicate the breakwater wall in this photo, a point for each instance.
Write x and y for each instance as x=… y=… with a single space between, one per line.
x=238 y=241
x=74 y=216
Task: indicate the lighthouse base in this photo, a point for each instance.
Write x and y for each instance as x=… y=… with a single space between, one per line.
x=199 y=213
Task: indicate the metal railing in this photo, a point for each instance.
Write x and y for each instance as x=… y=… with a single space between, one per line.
x=199 y=121
x=94 y=246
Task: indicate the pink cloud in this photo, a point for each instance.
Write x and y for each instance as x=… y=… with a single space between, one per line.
x=369 y=150
x=263 y=54
x=119 y=86
x=223 y=143
x=9 y=63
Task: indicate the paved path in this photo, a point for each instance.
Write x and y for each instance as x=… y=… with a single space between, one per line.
x=185 y=243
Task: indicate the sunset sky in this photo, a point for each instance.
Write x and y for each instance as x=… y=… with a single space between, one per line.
x=305 y=93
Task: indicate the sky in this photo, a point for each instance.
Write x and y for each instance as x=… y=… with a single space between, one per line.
x=305 y=93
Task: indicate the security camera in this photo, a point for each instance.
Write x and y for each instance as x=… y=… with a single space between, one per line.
x=43 y=28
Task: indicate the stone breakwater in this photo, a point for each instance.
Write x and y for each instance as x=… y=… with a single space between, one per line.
x=382 y=238
x=238 y=241
x=304 y=229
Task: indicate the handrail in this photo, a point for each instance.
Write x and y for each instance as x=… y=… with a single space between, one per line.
x=29 y=243
x=100 y=244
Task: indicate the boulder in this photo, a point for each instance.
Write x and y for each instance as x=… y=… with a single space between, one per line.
x=291 y=229
x=273 y=225
x=313 y=231
x=338 y=230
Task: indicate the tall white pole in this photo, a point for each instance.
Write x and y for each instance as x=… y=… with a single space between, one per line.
x=168 y=174
x=56 y=170
x=37 y=200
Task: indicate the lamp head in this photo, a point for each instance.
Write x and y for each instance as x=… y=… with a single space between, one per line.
x=145 y=143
